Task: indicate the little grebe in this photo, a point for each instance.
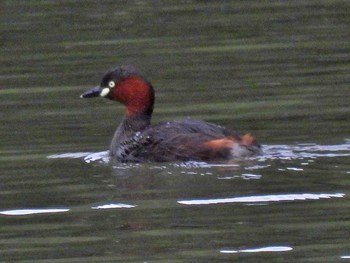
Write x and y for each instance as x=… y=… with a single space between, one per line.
x=136 y=140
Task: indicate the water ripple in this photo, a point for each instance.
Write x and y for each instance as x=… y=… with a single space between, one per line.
x=258 y=250
x=88 y=156
x=270 y=152
x=262 y=198
x=22 y=212
x=302 y=151
x=113 y=206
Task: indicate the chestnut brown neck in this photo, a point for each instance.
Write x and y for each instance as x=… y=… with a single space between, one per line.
x=136 y=94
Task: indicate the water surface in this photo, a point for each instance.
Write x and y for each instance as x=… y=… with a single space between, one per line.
x=277 y=69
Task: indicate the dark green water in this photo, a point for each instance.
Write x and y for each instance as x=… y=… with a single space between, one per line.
x=278 y=69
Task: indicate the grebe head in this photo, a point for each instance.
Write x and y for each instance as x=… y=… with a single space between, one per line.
x=128 y=86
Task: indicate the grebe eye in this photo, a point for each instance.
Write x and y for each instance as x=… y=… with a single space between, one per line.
x=111 y=84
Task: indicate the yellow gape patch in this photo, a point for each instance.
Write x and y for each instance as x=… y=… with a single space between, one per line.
x=104 y=92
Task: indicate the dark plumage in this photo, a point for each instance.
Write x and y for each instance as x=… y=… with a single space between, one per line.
x=136 y=140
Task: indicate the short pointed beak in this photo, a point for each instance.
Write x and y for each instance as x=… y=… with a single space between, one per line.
x=94 y=92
